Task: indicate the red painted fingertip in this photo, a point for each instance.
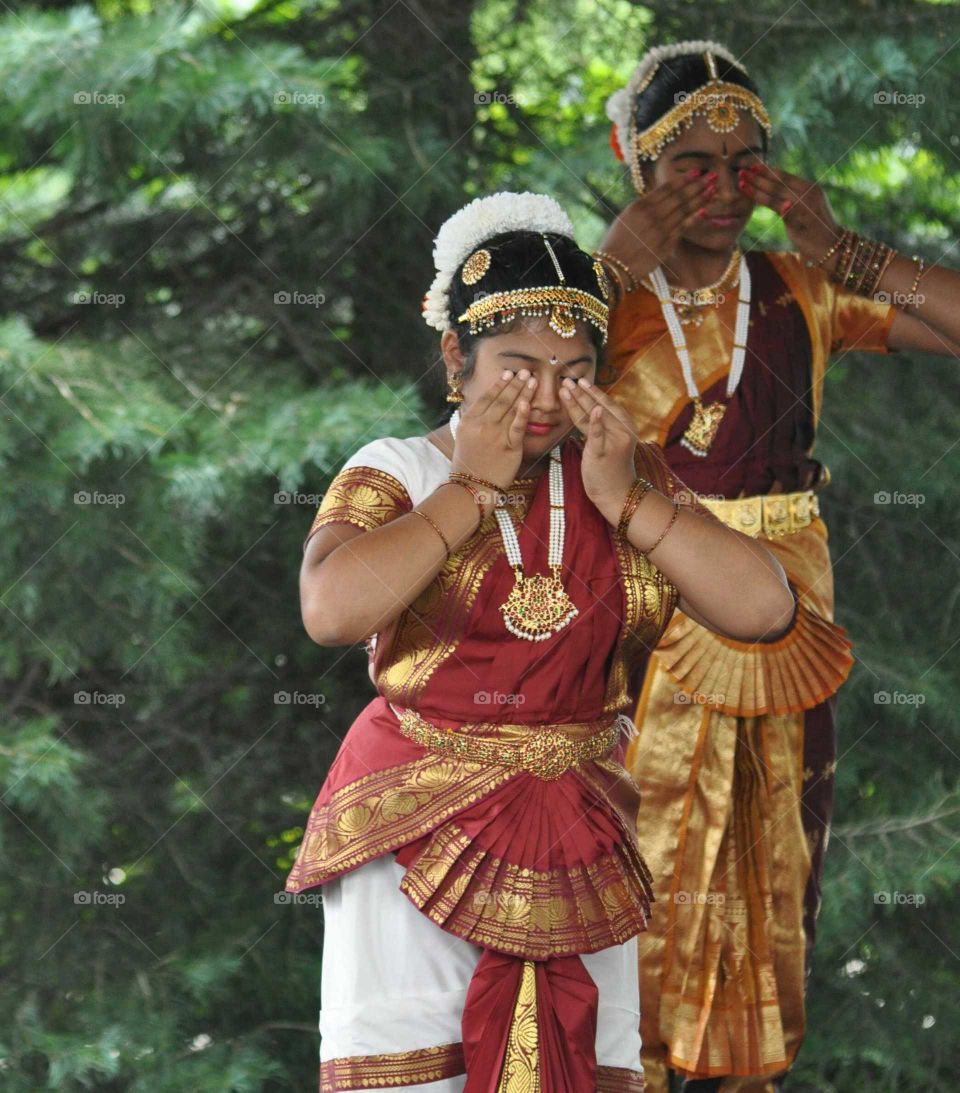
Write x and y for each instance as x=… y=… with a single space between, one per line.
x=701 y=213
x=695 y=173
x=786 y=207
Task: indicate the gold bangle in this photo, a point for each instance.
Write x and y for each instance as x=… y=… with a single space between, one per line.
x=638 y=490
x=472 y=479
x=833 y=248
x=845 y=258
x=878 y=269
x=618 y=265
x=865 y=256
x=474 y=493
x=433 y=524
x=670 y=523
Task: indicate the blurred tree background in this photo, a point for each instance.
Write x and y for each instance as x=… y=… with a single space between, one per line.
x=215 y=227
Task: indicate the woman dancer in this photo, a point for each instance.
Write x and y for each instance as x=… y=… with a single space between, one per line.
x=475 y=835
x=720 y=359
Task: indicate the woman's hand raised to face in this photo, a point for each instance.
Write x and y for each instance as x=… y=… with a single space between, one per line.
x=489 y=441
x=802 y=205
x=647 y=231
x=611 y=439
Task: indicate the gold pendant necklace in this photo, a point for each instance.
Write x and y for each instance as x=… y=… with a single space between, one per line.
x=538 y=606
x=700 y=433
x=705 y=423
x=689 y=304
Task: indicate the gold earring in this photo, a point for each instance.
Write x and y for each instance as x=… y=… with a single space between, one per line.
x=454 y=381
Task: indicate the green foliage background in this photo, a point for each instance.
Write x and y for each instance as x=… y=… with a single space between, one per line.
x=211 y=277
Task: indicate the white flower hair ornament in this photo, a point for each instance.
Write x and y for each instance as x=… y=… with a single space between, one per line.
x=473 y=225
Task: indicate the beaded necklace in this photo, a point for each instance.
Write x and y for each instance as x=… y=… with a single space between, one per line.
x=702 y=430
x=538 y=606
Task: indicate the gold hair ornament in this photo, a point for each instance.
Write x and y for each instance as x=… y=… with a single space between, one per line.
x=717 y=101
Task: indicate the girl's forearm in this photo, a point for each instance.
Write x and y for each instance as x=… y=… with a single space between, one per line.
x=732 y=582
x=365 y=583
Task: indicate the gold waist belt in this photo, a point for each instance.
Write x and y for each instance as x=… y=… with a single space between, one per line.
x=769 y=514
x=546 y=751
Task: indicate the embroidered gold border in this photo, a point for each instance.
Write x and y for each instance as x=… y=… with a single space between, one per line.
x=649 y=599
x=433 y=1064
x=363 y=496
x=521 y=1061
x=428 y=632
x=617 y=1079
x=385 y=810
x=526 y=912
x=428 y=1064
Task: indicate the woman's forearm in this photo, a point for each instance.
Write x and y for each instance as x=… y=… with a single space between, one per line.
x=366 y=582
x=732 y=583
x=932 y=298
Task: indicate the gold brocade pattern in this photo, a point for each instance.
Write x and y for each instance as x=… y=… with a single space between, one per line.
x=521 y=1063
x=722 y=828
x=649 y=379
x=491 y=903
x=685 y=759
x=469 y=892
x=431 y=1064
x=796 y=672
x=618 y=1079
x=649 y=598
x=427 y=633
x=723 y=785
x=546 y=753
x=399 y=1068
x=385 y=810
x=363 y=496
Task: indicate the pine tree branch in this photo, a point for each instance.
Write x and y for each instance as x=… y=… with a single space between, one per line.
x=898 y=824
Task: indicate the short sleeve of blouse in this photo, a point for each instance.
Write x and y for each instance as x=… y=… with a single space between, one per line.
x=860 y=323
x=372 y=488
x=847 y=321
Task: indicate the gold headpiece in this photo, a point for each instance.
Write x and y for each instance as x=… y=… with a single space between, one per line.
x=562 y=305
x=717 y=101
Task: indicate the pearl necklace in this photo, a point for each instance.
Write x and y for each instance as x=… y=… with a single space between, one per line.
x=702 y=430
x=538 y=606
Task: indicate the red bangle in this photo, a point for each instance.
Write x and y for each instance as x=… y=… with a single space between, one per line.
x=670 y=523
x=635 y=495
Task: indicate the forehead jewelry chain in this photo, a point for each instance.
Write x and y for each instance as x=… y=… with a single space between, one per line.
x=538 y=606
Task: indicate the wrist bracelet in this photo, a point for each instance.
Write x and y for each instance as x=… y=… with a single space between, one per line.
x=635 y=495
x=670 y=523
x=833 y=248
x=433 y=524
x=861 y=263
x=462 y=477
x=618 y=265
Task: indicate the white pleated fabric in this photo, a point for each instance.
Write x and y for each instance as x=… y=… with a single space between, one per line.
x=392 y=980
